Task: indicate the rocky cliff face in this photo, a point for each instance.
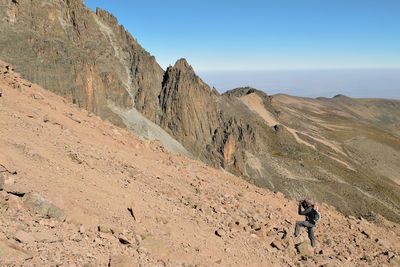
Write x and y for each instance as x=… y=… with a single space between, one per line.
x=189 y=109
x=342 y=151
x=84 y=56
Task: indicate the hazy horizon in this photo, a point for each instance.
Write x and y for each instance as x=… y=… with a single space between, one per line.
x=357 y=83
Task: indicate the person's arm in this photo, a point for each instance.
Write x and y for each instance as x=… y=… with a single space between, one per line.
x=300 y=209
x=306 y=211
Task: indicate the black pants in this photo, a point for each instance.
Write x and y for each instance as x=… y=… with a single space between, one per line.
x=310 y=230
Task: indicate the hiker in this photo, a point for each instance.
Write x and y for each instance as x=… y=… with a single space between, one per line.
x=312 y=216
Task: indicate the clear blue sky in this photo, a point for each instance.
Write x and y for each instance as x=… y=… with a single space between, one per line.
x=264 y=34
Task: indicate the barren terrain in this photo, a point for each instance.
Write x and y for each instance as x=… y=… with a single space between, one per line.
x=128 y=201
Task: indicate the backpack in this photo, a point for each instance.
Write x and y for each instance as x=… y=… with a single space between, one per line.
x=317 y=211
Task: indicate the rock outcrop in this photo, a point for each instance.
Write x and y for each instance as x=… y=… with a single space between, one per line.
x=84 y=56
x=189 y=109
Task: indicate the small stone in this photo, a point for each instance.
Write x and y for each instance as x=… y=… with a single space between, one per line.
x=45 y=237
x=254 y=236
x=2 y=181
x=282 y=234
x=51 y=223
x=24 y=237
x=138 y=238
x=278 y=245
x=241 y=222
x=82 y=229
x=256 y=227
x=366 y=233
x=272 y=232
x=382 y=243
x=222 y=210
x=36 y=96
x=124 y=240
x=390 y=254
x=395 y=261
x=122 y=261
x=367 y=259
x=142 y=250
x=220 y=232
x=105 y=229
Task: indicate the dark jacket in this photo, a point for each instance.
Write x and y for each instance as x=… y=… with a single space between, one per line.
x=310 y=214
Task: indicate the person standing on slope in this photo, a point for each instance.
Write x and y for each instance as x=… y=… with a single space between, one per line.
x=312 y=216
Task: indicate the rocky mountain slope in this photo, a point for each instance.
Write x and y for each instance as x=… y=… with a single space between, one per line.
x=341 y=151
x=79 y=191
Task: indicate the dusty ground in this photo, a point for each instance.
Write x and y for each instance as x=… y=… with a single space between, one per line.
x=128 y=201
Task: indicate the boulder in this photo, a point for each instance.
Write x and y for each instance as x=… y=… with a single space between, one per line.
x=36 y=203
x=304 y=249
x=24 y=237
x=10 y=252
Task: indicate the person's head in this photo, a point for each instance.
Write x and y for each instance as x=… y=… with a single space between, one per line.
x=306 y=203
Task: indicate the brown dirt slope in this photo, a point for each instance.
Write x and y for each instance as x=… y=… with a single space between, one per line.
x=127 y=201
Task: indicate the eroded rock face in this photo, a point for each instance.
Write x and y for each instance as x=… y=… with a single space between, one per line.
x=189 y=108
x=84 y=56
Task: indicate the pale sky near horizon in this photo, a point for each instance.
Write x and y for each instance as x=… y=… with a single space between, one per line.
x=254 y=35
x=265 y=34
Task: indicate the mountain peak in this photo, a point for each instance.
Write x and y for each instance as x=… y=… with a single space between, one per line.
x=242 y=91
x=182 y=64
x=340 y=96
